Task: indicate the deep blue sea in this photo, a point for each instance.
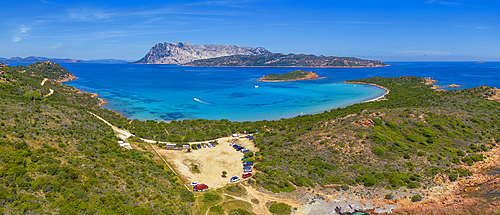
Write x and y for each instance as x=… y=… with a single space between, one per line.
x=164 y=92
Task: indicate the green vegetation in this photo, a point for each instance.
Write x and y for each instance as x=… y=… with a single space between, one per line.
x=280 y=209
x=295 y=75
x=239 y=211
x=416 y=198
x=276 y=60
x=57 y=158
x=417 y=134
x=235 y=190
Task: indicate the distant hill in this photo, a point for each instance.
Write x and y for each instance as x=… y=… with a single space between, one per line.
x=33 y=59
x=47 y=70
x=282 y=60
x=181 y=52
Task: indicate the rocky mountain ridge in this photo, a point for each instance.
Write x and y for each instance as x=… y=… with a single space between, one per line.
x=181 y=52
x=290 y=60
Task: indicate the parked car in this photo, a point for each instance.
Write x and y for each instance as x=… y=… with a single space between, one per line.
x=246 y=175
x=194 y=183
x=204 y=146
x=209 y=145
x=248 y=164
x=231 y=144
x=200 y=187
x=247 y=167
x=235 y=179
x=245 y=150
x=199 y=146
x=247 y=170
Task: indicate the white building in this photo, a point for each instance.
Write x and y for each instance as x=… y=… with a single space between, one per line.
x=124 y=145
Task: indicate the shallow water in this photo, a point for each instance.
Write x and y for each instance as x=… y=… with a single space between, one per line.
x=163 y=92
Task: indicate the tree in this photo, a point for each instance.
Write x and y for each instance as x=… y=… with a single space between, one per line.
x=280 y=208
x=416 y=198
x=33 y=95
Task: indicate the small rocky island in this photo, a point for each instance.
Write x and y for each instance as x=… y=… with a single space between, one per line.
x=296 y=75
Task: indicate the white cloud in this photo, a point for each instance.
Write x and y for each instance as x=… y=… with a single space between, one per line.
x=449 y=3
x=480 y=27
x=88 y=14
x=20 y=33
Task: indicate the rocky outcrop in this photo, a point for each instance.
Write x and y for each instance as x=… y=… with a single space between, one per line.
x=181 y=52
x=453 y=86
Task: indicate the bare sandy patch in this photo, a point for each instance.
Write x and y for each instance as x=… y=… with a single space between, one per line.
x=210 y=162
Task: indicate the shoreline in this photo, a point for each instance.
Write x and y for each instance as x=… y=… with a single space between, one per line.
x=299 y=79
x=387 y=91
x=103 y=102
x=331 y=67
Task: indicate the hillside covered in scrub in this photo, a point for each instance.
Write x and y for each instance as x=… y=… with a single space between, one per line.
x=289 y=60
x=57 y=158
x=408 y=140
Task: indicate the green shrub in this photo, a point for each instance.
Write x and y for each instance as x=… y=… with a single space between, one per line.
x=280 y=209
x=217 y=210
x=416 y=198
x=211 y=197
x=344 y=187
x=239 y=211
x=377 y=121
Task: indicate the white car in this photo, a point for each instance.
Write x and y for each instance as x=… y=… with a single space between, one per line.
x=235 y=179
x=194 y=183
x=231 y=144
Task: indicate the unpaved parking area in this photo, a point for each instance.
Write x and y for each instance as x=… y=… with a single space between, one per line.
x=210 y=161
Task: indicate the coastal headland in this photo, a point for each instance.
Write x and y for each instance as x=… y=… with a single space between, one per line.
x=297 y=75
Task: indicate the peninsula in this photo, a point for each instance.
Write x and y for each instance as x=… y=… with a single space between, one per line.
x=290 y=60
x=296 y=75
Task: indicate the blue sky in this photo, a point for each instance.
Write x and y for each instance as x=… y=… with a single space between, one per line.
x=419 y=30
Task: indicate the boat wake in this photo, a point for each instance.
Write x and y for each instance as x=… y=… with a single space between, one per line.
x=200 y=101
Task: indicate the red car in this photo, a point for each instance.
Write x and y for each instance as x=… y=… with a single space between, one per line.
x=246 y=175
x=200 y=187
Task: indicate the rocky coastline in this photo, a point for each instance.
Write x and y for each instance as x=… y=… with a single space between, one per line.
x=475 y=194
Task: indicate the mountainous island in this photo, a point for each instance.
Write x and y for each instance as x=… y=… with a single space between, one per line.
x=290 y=60
x=34 y=59
x=296 y=75
x=419 y=151
x=181 y=52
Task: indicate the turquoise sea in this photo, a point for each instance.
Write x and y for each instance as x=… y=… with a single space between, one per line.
x=165 y=93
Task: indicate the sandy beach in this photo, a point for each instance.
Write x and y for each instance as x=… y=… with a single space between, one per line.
x=375 y=85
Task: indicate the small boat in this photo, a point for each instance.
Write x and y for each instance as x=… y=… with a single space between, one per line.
x=255 y=86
